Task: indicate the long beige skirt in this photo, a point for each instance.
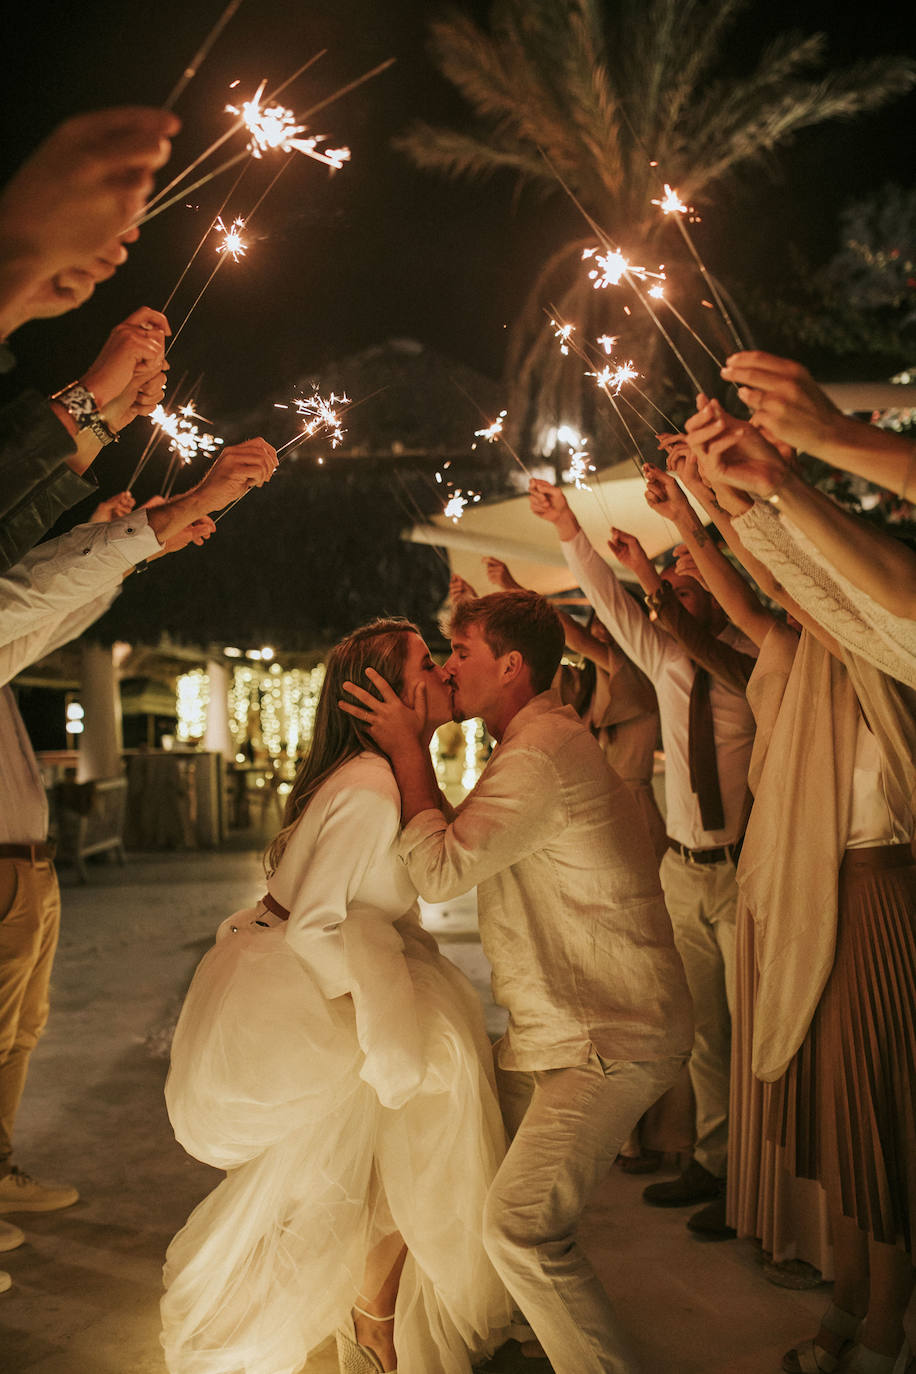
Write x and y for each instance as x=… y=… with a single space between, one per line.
x=844 y=1111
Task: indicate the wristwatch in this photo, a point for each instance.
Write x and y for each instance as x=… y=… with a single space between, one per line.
x=79 y=403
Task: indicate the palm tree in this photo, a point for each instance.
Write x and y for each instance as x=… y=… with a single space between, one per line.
x=616 y=98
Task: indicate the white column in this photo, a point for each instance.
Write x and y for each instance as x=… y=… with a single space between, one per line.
x=217 y=738
x=100 y=694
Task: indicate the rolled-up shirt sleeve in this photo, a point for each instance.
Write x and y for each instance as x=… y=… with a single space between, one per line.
x=513 y=811
x=61 y=576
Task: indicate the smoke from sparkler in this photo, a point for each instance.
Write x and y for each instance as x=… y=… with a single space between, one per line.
x=274 y=126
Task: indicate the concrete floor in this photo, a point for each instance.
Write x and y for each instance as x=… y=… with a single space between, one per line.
x=86 y=1284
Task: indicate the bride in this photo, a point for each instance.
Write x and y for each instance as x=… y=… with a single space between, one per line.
x=337 y=1068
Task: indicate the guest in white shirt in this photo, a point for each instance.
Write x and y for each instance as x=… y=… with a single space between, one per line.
x=573 y=922
x=707 y=802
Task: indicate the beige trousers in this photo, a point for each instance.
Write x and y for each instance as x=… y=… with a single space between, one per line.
x=702 y=900
x=568 y=1127
x=29 y=925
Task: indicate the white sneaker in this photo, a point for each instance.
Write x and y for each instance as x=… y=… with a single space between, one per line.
x=6 y=1281
x=20 y=1192
x=10 y=1236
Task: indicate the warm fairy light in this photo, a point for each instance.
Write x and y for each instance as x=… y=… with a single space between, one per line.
x=492 y=432
x=274 y=126
x=192 y=699
x=232 y=238
x=611 y=268
x=672 y=203
x=186 y=439
x=606 y=341
x=276 y=703
x=562 y=332
x=320 y=413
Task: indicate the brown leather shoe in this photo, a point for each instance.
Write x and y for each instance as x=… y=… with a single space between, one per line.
x=695 y=1184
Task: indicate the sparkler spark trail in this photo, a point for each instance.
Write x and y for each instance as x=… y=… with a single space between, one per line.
x=274 y=126
x=232 y=238
x=606 y=342
x=672 y=204
x=612 y=268
x=186 y=440
x=457 y=502
x=492 y=432
x=562 y=332
x=319 y=413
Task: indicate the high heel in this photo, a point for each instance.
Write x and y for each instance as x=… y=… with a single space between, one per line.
x=811 y=1358
x=354 y=1358
x=865 y=1361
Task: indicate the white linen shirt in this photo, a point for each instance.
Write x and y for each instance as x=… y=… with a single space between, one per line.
x=572 y=917
x=62 y=576
x=672 y=672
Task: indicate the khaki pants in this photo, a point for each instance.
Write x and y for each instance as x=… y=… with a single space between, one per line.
x=29 y=924
x=702 y=900
x=564 y=1146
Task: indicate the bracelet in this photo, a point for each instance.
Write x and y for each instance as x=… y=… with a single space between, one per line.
x=80 y=405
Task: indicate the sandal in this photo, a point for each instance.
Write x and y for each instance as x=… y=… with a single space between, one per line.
x=354 y=1358
x=867 y=1361
x=811 y=1358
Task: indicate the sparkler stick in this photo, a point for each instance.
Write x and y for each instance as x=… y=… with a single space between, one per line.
x=156 y=433
x=187 y=190
x=673 y=205
x=223 y=138
x=206 y=234
x=199 y=57
x=493 y=431
x=657 y=293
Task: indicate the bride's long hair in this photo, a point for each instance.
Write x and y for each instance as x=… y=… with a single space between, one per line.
x=337 y=736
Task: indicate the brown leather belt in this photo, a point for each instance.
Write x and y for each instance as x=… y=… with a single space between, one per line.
x=33 y=853
x=274 y=906
x=707 y=856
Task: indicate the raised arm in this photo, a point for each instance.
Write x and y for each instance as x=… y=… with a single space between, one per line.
x=788 y=402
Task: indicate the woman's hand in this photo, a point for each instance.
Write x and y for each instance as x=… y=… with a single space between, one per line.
x=392 y=723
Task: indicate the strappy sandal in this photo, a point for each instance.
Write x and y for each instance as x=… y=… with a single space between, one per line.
x=354 y=1358
x=811 y=1358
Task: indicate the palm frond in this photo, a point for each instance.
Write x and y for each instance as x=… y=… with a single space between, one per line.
x=461 y=155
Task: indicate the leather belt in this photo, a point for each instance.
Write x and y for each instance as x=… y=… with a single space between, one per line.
x=274 y=906
x=33 y=853
x=718 y=855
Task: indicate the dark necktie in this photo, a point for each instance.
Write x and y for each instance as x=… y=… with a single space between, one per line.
x=701 y=753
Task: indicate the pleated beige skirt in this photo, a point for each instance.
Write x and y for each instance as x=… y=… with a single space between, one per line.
x=844 y=1111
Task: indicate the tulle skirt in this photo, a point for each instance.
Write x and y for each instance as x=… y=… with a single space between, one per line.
x=265 y=1083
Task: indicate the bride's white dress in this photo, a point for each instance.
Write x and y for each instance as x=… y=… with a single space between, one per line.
x=338 y=1118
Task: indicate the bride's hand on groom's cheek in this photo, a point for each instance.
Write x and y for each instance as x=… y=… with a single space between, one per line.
x=391 y=722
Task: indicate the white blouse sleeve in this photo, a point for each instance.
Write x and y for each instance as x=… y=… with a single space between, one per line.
x=349 y=945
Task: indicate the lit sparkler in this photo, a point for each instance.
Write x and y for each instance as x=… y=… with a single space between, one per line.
x=611 y=268
x=672 y=203
x=232 y=238
x=492 y=432
x=275 y=126
x=319 y=413
x=457 y=503
x=186 y=439
x=606 y=342
x=562 y=332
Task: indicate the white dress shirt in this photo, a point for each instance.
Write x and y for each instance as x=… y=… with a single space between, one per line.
x=672 y=671
x=61 y=577
x=572 y=917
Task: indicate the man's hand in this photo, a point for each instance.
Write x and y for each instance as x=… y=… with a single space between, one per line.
x=665 y=496
x=785 y=399
x=133 y=351
x=627 y=549
x=392 y=724
x=500 y=575
x=685 y=565
x=112 y=508
x=140 y=397
x=735 y=453
x=548 y=503
x=72 y=286
x=460 y=590
x=83 y=186
x=198 y=532
x=237 y=469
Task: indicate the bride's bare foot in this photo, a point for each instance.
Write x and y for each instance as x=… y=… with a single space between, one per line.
x=378 y=1336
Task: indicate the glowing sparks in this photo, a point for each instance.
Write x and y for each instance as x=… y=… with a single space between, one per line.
x=578 y=470
x=656 y=292
x=232 y=238
x=274 y=126
x=606 y=341
x=672 y=203
x=492 y=432
x=320 y=413
x=562 y=332
x=186 y=440
x=612 y=267
x=611 y=379
x=457 y=503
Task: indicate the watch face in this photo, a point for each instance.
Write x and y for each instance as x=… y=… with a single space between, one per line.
x=79 y=401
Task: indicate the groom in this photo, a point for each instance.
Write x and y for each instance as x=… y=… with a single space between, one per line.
x=574 y=925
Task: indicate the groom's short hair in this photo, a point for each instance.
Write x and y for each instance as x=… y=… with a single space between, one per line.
x=520 y=620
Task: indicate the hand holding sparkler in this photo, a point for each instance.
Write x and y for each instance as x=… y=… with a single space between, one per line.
x=735 y=453
x=460 y=590
x=665 y=497
x=134 y=350
x=548 y=503
x=685 y=565
x=500 y=575
x=785 y=399
x=71 y=286
x=106 y=511
x=76 y=194
x=197 y=532
x=140 y=397
x=238 y=469
x=627 y=549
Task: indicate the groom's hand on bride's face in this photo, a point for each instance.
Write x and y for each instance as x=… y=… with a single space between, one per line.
x=391 y=722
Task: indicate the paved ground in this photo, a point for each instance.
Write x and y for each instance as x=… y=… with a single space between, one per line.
x=86 y=1284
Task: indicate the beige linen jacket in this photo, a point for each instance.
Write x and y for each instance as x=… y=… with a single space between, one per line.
x=572 y=917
